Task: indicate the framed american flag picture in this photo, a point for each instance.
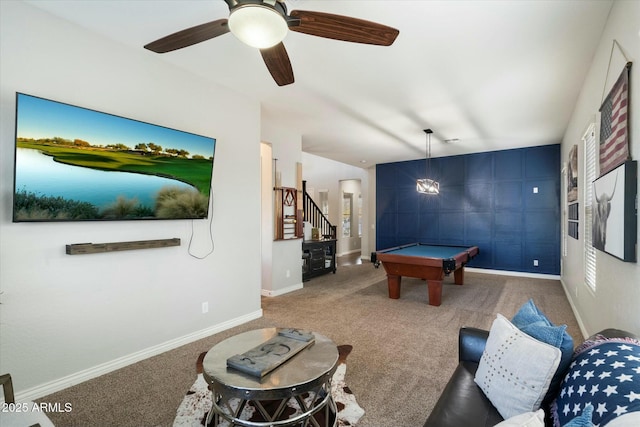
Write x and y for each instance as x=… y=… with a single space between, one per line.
x=614 y=128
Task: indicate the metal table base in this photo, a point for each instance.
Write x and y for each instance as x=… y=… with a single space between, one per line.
x=296 y=394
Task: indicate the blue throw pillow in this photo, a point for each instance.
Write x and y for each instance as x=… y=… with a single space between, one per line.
x=582 y=420
x=530 y=320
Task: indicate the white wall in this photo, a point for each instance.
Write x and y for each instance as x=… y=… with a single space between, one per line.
x=321 y=173
x=286 y=273
x=267 y=222
x=616 y=301
x=66 y=318
x=350 y=244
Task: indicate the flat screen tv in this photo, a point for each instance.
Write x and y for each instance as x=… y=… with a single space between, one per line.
x=77 y=164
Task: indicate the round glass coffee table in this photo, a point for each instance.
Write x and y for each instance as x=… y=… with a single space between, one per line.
x=297 y=393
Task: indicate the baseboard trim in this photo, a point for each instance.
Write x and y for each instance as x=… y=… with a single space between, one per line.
x=583 y=330
x=513 y=273
x=45 y=389
x=278 y=292
x=352 y=251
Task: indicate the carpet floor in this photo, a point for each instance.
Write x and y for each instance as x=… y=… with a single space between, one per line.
x=403 y=350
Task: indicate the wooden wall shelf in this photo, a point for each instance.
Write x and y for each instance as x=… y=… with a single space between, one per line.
x=288 y=214
x=95 y=248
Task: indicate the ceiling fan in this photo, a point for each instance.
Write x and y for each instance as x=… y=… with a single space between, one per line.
x=264 y=23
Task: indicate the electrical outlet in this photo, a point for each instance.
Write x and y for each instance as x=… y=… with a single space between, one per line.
x=535 y=262
x=205 y=307
x=535 y=190
x=288 y=273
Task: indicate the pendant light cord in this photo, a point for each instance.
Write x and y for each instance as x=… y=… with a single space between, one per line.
x=428 y=132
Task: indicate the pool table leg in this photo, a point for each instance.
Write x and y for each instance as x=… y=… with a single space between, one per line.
x=435 y=292
x=458 y=276
x=393 y=282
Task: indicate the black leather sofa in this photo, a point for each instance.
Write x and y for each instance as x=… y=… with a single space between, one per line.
x=462 y=402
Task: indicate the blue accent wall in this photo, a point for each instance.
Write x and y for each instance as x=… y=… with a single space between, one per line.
x=486 y=200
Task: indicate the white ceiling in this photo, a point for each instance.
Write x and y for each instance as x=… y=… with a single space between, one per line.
x=492 y=74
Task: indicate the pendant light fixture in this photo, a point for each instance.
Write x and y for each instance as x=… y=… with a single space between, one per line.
x=428 y=185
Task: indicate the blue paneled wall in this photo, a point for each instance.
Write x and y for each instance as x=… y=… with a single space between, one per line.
x=505 y=202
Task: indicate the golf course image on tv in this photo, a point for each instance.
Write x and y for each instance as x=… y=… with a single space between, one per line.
x=78 y=164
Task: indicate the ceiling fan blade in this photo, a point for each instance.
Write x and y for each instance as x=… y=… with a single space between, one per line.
x=343 y=28
x=277 y=61
x=190 y=36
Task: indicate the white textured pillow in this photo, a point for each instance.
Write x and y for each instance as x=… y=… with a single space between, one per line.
x=632 y=419
x=515 y=369
x=528 y=419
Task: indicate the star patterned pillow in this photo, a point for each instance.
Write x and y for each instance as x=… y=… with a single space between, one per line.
x=604 y=373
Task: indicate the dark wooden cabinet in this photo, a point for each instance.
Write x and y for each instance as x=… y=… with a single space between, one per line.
x=319 y=257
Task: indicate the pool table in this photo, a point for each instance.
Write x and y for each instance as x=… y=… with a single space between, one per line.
x=428 y=262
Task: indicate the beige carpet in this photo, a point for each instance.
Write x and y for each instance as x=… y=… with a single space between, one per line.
x=403 y=350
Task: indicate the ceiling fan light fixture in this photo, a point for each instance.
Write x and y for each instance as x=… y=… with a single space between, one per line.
x=258 y=25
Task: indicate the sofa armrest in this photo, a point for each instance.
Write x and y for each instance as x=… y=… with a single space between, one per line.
x=617 y=333
x=471 y=343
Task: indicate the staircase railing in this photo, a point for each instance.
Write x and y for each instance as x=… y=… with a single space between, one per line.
x=313 y=214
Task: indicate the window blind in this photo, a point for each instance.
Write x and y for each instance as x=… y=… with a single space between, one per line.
x=590 y=156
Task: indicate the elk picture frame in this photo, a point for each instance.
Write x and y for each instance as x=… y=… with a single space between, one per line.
x=615 y=213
